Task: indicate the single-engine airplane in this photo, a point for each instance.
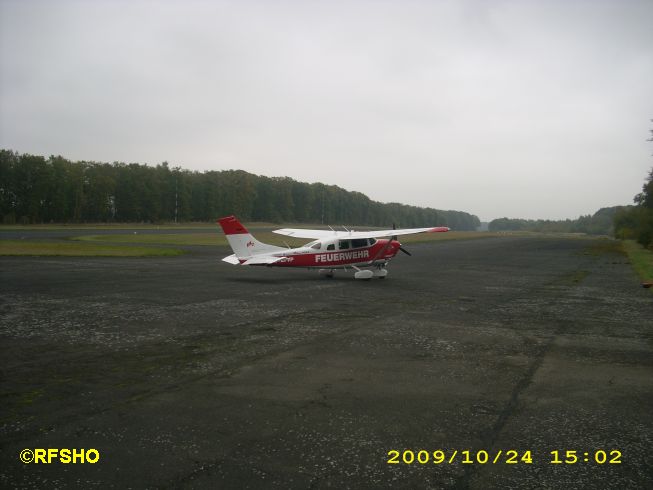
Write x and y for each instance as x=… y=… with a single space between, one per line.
x=329 y=251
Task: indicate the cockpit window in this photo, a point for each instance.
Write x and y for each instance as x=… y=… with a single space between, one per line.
x=359 y=242
x=372 y=241
x=316 y=246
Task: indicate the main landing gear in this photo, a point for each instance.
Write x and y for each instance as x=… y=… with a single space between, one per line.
x=366 y=275
x=379 y=271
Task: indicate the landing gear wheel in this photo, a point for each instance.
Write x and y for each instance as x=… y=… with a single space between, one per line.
x=380 y=273
x=364 y=275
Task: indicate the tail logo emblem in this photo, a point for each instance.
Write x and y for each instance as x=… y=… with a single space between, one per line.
x=250 y=244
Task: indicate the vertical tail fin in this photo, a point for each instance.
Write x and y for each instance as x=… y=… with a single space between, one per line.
x=242 y=242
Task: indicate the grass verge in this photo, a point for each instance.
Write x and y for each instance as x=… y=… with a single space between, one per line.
x=190 y=225
x=449 y=235
x=77 y=249
x=112 y=226
x=640 y=258
x=158 y=238
x=215 y=239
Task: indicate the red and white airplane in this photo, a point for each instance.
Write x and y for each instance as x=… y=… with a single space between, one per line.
x=329 y=251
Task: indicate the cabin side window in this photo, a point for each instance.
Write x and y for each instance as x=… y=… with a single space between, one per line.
x=331 y=246
x=343 y=244
x=359 y=242
x=317 y=246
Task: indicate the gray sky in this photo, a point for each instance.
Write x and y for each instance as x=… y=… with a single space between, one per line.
x=531 y=109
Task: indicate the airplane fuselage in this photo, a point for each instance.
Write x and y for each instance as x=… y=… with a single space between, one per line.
x=337 y=254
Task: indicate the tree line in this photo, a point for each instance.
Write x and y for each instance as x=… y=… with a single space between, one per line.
x=35 y=189
x=636 y=222
x=600 y=223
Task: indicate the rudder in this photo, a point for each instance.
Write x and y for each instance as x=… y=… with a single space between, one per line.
x=242 y=242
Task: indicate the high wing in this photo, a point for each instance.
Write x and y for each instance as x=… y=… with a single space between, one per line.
x=322 y=234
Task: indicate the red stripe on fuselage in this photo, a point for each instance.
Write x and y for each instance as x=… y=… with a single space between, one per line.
x=338 y=258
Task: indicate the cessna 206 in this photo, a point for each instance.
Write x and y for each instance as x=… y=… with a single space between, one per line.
x=329 y=251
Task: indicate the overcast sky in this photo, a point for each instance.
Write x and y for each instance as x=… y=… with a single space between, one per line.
x=531 y=109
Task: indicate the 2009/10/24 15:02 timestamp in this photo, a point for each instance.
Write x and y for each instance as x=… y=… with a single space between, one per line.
x=511 y=456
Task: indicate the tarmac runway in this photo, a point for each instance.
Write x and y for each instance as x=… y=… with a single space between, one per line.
x=484 y=364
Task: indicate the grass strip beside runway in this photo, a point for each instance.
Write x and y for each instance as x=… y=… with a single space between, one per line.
x=214 y=238
x=640 y=258
x=80 y=249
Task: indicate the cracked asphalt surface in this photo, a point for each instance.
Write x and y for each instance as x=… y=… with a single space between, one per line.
x=189 y=372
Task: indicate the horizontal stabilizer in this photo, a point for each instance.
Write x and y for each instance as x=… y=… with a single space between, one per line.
x=263 y=260
x=232 y=259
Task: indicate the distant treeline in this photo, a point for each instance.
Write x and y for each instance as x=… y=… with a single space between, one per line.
x=600 y=223
x=34 y=189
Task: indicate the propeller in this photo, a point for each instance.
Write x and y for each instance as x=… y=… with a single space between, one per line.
x=394 y=237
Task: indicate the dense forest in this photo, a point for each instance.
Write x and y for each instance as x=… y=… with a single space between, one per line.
x=600 y=223
x=34 y=189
